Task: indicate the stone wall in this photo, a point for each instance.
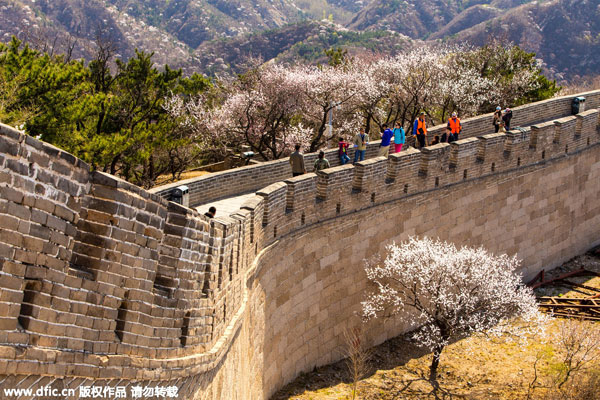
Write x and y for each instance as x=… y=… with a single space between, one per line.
x=104 y=283
x=94 y=266
x=208 y=188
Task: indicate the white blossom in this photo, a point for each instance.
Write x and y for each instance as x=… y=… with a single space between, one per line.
x=448 y=293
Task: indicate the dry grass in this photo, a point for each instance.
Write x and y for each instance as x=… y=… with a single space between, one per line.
x=473 y=368
x=582 y=85
x=164 y=179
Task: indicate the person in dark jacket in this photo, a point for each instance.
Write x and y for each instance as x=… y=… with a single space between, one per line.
x=386 y=138
x=211 y=212
x=506 y=118
x=297 y=162
x=321 y=162
x=497 y=119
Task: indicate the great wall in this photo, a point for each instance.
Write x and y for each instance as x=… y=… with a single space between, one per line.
x=103 y=283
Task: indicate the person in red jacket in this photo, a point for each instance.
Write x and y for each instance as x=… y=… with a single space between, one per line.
x=454 y=126
x=343 y=151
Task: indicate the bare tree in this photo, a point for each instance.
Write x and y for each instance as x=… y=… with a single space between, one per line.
x=358 y=356
x=579 y=347
x=52 y=41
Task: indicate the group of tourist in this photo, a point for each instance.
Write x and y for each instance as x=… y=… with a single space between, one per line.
x=502 y=119
x=361 y=140
x=501 y=122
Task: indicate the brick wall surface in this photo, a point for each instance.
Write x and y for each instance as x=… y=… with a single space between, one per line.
x=101 y=281
x=544 y=213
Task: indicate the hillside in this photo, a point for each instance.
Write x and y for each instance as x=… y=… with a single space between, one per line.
x=230 y=55
x=301 y=42
x=563 y=33
x=466 y=19
x=355 y=43
x=195 y=21
x=170 y=29
x=416 y=19
x=219 y=36
x=72 y=26
x=420 y=19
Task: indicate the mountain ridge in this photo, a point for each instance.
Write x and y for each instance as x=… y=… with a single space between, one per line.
x=218 y=36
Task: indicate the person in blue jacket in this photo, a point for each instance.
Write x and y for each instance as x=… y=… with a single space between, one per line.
x=386 y=137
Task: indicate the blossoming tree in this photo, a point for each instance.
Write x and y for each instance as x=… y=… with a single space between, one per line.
x=272 y=107
x=261 y=109
x=448 y=293
x=326 y=88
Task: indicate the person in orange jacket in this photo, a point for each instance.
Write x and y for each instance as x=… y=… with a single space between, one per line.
x=455 y=127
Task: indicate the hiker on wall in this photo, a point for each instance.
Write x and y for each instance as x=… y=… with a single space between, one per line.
x=399 y=137
x=386 y=137
x=297 y=162
x=361 y=140
x=343 y=151
x=420 y=130
x=497 y=119
x=506 y=118
x=455 y=127
x=321 y=162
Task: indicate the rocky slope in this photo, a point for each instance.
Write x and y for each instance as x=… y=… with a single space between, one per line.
x=216 y=36
x=565 y=34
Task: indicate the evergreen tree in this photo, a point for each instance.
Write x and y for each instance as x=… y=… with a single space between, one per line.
x=44 y=92
x=116 y=122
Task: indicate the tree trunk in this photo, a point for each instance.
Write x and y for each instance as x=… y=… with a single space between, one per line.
x=367 y=124
x=314 y=144
x=434 y=365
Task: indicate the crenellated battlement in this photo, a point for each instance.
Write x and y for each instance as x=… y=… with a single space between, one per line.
x=101 y=280
x=346 y=189
x=92 y=265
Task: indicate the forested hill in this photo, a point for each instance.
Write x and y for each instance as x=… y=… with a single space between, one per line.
x=563 y=33
x=420 y=19
x=217 y=36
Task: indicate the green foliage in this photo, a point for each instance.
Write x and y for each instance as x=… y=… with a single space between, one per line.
x=546 y=89
x=43 y=91
x=130 y=133
x=314 y=49
x=336 y=57
x=506 y=63
x=115 y=122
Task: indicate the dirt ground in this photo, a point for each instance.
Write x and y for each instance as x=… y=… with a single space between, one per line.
x=472 y=368
x=164 y=179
